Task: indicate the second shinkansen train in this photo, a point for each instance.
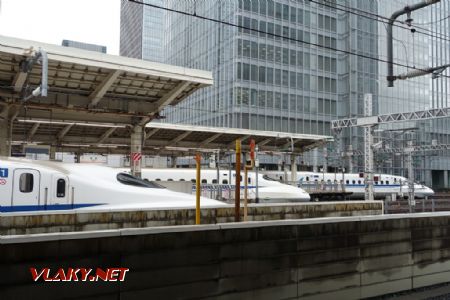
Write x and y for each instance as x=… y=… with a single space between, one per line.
x=384 y=184
x=269 y=190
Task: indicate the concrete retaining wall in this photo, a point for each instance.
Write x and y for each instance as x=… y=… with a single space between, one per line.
x=332 y=258
x=42 y=222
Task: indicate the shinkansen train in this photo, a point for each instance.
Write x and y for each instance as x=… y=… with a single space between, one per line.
x=27 y=185
x=269 y=190
x=384 y=184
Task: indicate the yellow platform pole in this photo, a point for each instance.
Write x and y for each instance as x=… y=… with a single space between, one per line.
x=198 y=160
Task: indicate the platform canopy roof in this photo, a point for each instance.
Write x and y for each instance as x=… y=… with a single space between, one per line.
x=159 y=138
x=95 y=99
x=88 y=86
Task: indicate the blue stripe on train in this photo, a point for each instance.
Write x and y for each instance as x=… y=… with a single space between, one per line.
x=357 y=185
x=226 y=186
x=17 y=208
x=375 y=185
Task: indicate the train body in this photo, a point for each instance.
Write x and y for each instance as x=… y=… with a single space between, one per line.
x=28 y=185
x=269 y=190
x=384 y=184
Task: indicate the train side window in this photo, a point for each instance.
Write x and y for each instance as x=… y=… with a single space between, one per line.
x=395 y=179
x=170 y=179
x=182 y=179
x=214 y=181
x=382 y=181
x=387 y=181
x=359 y=181
x=376 y=182
x=158 y=179
x=26 y=182
x=307 y=178
x=281 y=178
x=193 y=180
x=224 y=181
x=249 y=180
x=60 y=188
x=353 y=181
x=347 y=181
x=204 y=181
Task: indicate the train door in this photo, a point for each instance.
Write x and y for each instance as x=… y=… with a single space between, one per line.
x=26 y=183
x=60 y=190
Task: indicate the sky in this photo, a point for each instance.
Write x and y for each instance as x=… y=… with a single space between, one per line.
x=51 y=21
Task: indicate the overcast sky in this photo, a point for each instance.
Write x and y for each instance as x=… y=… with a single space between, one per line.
x=51 y=21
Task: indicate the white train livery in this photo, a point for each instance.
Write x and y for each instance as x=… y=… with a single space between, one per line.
x=384 y=184
x=27 y=185
x=269 y=190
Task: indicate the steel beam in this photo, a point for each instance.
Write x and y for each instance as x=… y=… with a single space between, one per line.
x=64 y=131
x=103 y=87
x=19 y=81
x=368 y=150
x=178 y=138
x=106 y=135
x=392 y=118
x=210 y=139
x=171 y=96
x=151 y=133
x=33 y=131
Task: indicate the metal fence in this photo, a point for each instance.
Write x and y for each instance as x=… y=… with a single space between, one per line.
x=224 y=192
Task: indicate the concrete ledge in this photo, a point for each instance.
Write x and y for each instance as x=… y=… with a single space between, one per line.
x=101 y=219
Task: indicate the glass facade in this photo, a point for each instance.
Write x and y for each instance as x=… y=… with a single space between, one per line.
x=278 y=70
x=142 y=30
x=265 y=79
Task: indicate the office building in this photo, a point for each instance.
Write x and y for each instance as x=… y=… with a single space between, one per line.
x=142 y=30
x=278 y=70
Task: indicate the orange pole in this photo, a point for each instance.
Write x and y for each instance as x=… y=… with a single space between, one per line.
x=237 y=190
x=246 y=168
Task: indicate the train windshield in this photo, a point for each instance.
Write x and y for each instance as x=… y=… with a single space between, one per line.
x=266 y=177
x=135 y=181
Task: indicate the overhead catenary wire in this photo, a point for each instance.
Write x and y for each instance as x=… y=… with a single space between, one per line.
x=434 y=22
x=365 y=14
x=276 y=35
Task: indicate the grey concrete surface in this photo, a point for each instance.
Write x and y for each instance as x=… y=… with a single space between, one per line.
x=329 y=258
